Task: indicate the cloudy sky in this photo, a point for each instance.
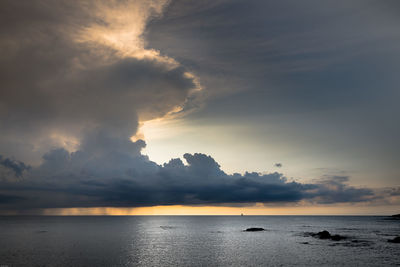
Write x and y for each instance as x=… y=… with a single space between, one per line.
x=199 y=107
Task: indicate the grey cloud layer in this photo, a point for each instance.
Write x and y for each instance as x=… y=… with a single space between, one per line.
x=321 y=69
x=108 y=171
x=17 y=167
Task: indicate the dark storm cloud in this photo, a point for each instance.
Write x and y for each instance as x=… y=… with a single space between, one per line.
x=5 y=199
x=333 y=189
x=115 y=174
x=17 y=167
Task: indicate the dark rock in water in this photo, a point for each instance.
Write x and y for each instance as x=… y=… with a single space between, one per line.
x=326 y=235
x=393 y=217
x=323 y=235
x=254 y=229
x=395 y=240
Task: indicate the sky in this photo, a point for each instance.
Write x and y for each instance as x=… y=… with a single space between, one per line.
x=199 y=107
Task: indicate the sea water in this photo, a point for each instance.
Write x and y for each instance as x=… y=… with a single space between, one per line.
x=196 y=241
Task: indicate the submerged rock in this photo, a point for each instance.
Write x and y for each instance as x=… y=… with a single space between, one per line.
x=254 y=229
x=395 y=240
x=337 y=237
x=358 y=243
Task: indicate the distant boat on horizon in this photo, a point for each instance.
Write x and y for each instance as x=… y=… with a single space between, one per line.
x=241 y=214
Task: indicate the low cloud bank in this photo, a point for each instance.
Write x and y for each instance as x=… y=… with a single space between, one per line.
x=111 y=171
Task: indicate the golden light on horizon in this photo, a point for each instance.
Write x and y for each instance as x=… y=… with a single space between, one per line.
x=258 y=209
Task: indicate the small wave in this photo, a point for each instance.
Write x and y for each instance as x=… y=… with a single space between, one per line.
x=167 y=227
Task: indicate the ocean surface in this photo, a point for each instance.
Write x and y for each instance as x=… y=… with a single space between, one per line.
x=196 y=241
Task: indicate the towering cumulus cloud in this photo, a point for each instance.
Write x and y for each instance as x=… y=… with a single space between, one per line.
x=76 y=77
x=70 y=67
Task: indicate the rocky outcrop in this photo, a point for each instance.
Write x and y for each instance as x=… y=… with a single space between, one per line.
x=322 y=235
x=326 y=235
x=254 y=229
x=395 y=240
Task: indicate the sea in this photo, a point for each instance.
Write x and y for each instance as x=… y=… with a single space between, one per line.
x=197 y=241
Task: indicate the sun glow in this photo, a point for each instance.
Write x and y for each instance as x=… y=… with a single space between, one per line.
x=258 y=209
x=120 y=25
